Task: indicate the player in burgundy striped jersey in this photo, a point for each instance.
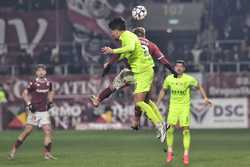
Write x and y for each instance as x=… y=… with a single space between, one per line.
x=38 y=97
x=125 y=78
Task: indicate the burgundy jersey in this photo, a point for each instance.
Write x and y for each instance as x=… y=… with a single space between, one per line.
x=39 y=89
x=154 y=50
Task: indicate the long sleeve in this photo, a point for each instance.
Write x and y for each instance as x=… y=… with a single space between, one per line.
x=128 y=44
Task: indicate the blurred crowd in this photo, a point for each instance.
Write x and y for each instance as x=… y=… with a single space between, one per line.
x=222 y=41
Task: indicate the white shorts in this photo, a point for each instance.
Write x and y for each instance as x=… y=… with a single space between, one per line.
x=124 y=77
x=38 y=119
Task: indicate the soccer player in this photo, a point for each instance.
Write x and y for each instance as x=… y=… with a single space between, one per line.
x=179 y=107
x=141 y=66
x=125 y=77
x=38 y=97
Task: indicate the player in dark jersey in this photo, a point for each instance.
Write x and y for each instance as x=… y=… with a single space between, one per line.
x=125 y=78
x=38 y=97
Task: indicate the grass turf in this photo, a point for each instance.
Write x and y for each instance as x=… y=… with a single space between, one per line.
x=210 y=148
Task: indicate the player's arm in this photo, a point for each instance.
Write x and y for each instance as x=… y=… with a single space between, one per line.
x=161 y=96
x=51 y=95
x=163 y=91
x=107 y=66
x=157 y=54
x=27 y=98
x=203 y=94
x=128 y=45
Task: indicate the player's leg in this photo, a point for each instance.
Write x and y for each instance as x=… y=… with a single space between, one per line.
x=44 y=123
x=185 y=123
x=96 y=100
x=186 y=144
x=136 y=121
x=47 y=130
x=143 y=86
x=21 y=138
x=123 y=79
x=172 y=121
x=146 y=108
x=156 y=110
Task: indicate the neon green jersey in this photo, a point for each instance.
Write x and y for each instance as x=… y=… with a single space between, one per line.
x=180 y=89
x=2 y=96
x=132 y=50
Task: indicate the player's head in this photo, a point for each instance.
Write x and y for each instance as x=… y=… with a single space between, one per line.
x=40 y=71
x=117 y=26
x=139 y=31
x=180 y=67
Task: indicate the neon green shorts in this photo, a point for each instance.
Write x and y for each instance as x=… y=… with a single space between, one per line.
x=143 y=81
x=179 y=115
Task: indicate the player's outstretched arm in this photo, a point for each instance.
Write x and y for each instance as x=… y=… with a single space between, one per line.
x=161 y=96
x=128 y=46
x=107 y=66
x=157 y=54
x=204 y=95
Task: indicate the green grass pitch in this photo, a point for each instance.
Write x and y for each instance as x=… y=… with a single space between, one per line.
x=210 y=148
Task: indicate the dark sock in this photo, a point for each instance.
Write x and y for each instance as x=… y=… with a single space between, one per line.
x=105 y=93
x=18 y=143
x=137 y=112
x=48 y=147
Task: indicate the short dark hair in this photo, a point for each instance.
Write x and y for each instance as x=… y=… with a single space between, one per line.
x=139 y=31
x=181 y=62
x=40 y=66
x=118 y=23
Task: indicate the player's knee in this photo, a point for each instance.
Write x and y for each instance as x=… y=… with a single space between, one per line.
x=170 y=130
x=139 y=105
x=28 y=130
x=47 y=130
x=186 y=131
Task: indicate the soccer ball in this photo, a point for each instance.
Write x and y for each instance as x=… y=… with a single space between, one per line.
x=139 y=12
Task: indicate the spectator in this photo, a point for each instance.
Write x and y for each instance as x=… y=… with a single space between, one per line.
x=208 y=37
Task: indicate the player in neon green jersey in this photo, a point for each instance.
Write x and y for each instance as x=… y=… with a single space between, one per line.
x=141 y=65
x=179 y=106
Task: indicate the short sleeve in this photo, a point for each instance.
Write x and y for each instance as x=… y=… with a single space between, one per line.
x=31 y=86
x=193 y=82
x=166 y=83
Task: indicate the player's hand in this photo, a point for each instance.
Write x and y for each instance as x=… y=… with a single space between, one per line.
x=172 y=70
x=208 y=102
x=107 y=50
x=50 y=105
x=106 y=69
x=30 y=108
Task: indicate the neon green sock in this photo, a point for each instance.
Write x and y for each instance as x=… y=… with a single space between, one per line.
x=170 y=137
x=146 y=108
x=156 y=110
x=186 y=139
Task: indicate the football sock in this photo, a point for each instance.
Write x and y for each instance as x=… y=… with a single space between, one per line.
x=146 y=108
x=170 y=137
x=105 y=93
x=48 y=147
x=18 y=143
x=186 y=139
x=156 y=110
